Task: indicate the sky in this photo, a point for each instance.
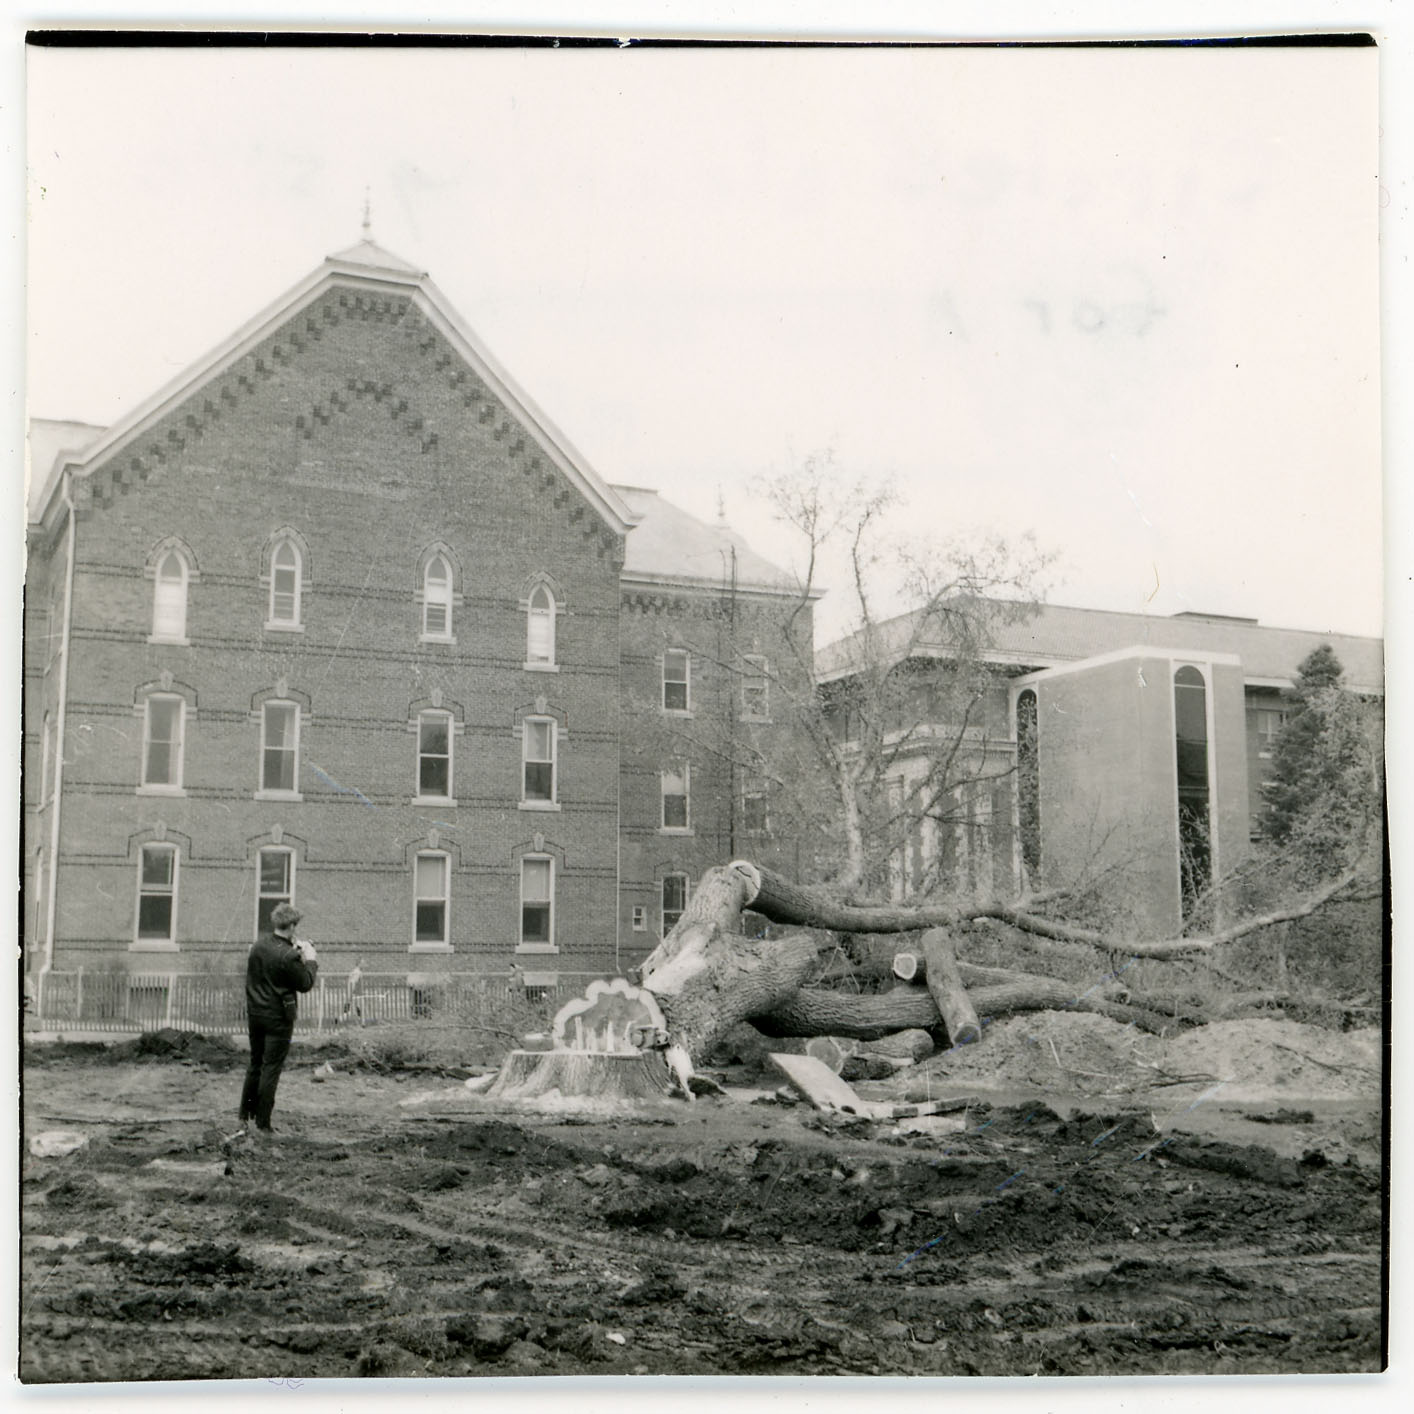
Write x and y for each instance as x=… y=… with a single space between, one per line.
x=1126 y=301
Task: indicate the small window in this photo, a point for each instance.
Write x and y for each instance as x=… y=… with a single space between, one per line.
x=431 y=879
x=640 y=918
x=755 y=818
x=1270 y=721
x=279 y=747
x=285 y=577
x=275 y=883
x=169 y=598
x=676 y=815
x=756 y=689
x=434 y=755
x=537 y=901
x=162 y=742
x=157 y=893
x=674 y=900
x=677 y=669
x=437 y=598
x=540 y=628
x=538 y=751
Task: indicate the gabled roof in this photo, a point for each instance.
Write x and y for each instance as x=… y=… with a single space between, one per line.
x=1058 y=633
x=669 y=546
x=47 y=439
x=363 y=266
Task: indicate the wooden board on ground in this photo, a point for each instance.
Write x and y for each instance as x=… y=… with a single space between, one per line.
x=819 y=1084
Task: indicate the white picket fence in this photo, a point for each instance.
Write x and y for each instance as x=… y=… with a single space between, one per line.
x=127 y=1002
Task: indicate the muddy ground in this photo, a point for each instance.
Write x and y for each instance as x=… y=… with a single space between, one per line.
x=399 y=1225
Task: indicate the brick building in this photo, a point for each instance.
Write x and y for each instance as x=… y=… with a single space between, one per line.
x=1107 y=741
x=340 y=617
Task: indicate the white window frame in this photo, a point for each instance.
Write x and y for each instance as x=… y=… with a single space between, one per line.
x=552 y=732
x=184 y=583
x=757 y=669
x=260 y=894
x=141 y=943
x=1266 y=741
x=538 y=945
x=295 y=623
x=174 y=786
x=421 y=797
x=664 y=927
x=685 y=774
x=442 y=597
x=443 y=944
x=542 y=605
x=686 y=682
x=264 y=792
x=640 y=918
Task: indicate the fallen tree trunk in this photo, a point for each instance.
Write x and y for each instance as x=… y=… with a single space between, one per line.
x=784 y=902
x=816 y=1012
x=946 y=989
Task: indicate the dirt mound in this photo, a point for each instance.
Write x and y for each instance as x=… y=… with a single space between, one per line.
x=169 y=1044
x=1084 y=1054
x=1258 y=1058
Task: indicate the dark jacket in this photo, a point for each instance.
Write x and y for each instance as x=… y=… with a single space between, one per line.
x=274 y=972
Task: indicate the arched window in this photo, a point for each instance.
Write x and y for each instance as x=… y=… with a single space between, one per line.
x=1190 y=723
x=437 y=598
x=169 y=598
x=540 y=628
x=286 y=575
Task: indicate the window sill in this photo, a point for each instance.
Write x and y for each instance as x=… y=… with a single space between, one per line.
x=542 y=949
x=756 y=721
x=440 y=801
x=163 y=638
x=549 y=805
x=541 y=667
x=449 y=638
x=171 y=792
x=675 y=830
x=678 y=712
x=153 y=945
x=272 y=627
x=430 y=947
x=292 y=795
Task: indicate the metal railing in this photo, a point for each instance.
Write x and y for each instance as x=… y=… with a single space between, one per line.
x=215 y=1005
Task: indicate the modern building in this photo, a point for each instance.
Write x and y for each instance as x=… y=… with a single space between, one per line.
x=1114 y=743
x=340 y=617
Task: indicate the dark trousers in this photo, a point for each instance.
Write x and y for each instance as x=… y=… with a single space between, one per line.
x=269 y=1046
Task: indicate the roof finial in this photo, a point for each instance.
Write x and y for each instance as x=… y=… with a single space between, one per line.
x=367 y=217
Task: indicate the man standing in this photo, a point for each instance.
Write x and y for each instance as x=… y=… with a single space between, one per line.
x=278 y=967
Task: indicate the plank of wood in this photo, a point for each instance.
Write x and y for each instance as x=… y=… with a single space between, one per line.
x=816 y=1082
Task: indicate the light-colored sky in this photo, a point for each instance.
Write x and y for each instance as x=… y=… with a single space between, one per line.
x=1125 y=300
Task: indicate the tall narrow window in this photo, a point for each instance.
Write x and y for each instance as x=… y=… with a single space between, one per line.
x=538 y=750
x=431 y=879
x=755 y=818
x=162 y=743
x=540 y=628
x=274 y=883
x=1270 y=721
x=537 y=901
x=434 y=755
x=677 y=670
x=1028 y=783
x=169 y=598
x=756 y=689
x=674 y=784
x=279 y=747
x=674 y=900
x=285 y=575
x=437 y=599
x=157 y=893
x=1190 y=717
